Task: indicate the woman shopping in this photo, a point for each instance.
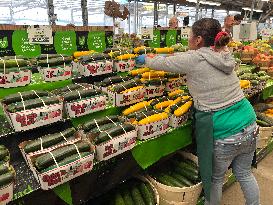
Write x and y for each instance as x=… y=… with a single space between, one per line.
x=225 y=122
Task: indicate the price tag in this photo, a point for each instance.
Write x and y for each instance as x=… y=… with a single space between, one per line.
x=40 y=34
x=147 y=33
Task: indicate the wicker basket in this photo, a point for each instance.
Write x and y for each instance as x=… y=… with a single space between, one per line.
x=175 y=195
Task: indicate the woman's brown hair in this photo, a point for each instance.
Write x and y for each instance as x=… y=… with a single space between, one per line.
x=208 y=28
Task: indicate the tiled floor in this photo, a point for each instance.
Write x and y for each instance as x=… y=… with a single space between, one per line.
x=264 y=176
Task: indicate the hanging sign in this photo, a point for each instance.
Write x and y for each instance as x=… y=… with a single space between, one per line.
x=185 y=32
x=40 y=34
x=147 y=33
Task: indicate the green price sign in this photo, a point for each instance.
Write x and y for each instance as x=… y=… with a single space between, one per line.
x=171 y=37
x=65 y=42
x=96 y=41
x=21 y=45
x=155 y=43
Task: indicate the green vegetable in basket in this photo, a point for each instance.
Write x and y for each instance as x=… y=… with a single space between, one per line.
x=92 y=124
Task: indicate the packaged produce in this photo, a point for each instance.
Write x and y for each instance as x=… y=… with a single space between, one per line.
x=31 y=109
x=56 y=166
x=110 y=135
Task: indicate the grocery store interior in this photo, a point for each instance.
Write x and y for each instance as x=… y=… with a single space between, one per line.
x=143 y=102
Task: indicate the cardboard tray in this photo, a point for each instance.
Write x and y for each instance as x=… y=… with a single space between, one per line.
x=116 y=146
x=36 y=117
x=124 y=65
x=15 y=79
x=120 y=100
x=77 y=137
x=174 y=84
x=58 y=73
x=153 y=129
x=178 y=121
x=95 y=68
x=154 y=91
x=62 y=174
x=86 y=106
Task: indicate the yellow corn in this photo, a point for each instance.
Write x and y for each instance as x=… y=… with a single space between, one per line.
x=132 y=89
x=78 y=54
x=176 y=92
x=139 y=71
x=136 y=50
x=155 y=74
x=183 y=109
x=163 y=105
x=125 y=57
x=164 y=50
x=244 y=83
x=153 y=118
x=136 y=107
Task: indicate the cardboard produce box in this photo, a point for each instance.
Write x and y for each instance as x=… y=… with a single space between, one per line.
x=15 y=79
x=85 y=106
x=116 y=146
x=119 y=99
x=154 y=129
x=95 y=68
x=154 y=91
x=124 y=65
x=64 y=173
x=175 y=84
x=36 y=117
x=178 y=121
x=58 y=73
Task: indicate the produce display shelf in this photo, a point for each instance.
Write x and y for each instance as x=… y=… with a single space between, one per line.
x=103 y=177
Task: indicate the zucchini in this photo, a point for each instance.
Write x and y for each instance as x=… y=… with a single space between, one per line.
x=71 y=96
x=118 y=199
x=50 y=56
x=67 y=160
x=34 y=103
x=136 y=195
x=126 y=195
x=69 y=88
x=146 y=194
x=113 y=132
x=145 y=51
x=103 y=127
x=13 y=63
x=186 y=166
x=159 y=100
x=263 y=117
x=182 y=179
x=3 y=153
x=6 y=178
x=109 y=50
x=172 y=75
x=16 y=70
x=170 y=181
x=155 y=82
x=261 y=107
x=188 y=174
x=54 y=61
x=26 y=96
x=94 y=57
x=113 y=80
x=262 y=123
x=142 y=115
x=49 y=140
x=4 y=169
x=46 y=160
x=87 y=126
x=176 y=106
x=125 y=85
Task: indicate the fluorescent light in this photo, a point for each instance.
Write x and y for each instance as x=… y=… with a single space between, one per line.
x=192 y=1
x=258 y=10
x=210 y=3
